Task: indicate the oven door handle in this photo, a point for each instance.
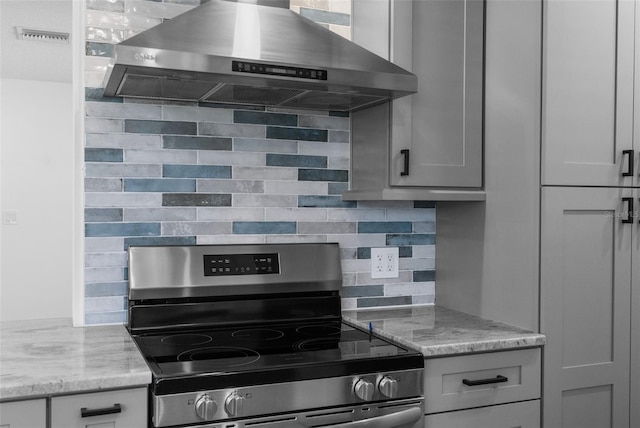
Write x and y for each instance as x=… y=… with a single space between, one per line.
x=392 y=420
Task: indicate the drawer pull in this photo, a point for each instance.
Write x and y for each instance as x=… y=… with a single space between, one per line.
x=87 y=413
x=629 y=171
x=497 y=379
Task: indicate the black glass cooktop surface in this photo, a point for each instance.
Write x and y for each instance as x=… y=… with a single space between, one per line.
x=235 y=356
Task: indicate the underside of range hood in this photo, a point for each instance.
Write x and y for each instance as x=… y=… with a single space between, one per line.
x=235 y=53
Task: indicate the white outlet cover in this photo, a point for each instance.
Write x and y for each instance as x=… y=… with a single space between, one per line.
x=384 y=262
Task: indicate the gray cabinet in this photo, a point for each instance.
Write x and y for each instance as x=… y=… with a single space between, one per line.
x=428 y=145
x=588 y=93
x=24 y=414
x=125 y=408
x=498 y=389
x=588 y=250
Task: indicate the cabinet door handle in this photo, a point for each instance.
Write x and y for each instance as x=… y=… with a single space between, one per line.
x=405 y=153
x=497 y=379
x=87 y=413
x=629 y=210
x=630 y=167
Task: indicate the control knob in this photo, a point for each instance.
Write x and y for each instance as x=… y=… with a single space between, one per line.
x=388 y=387
x=206 y=408
x=234 y=405
x=364 y=389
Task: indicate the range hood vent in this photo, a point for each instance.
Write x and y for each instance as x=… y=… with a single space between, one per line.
x=247 y=54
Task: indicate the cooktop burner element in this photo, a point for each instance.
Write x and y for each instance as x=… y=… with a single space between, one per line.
x=253 y=335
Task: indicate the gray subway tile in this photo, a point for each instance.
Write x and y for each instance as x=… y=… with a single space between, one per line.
x=321 y=201
x=296 y=160
x=122 y=170
x=98 y=49
x=424 y=275
x=102 y=184
x=196 y=200
x=103 y=155
x=106 y=289
x=362 y=291
x=159 y=185
x=264 y=118
x=370 y=302
x=325 y=16
x=105 y=318
x=160 y=127
x=196 y=171
x=323 y=175
x=95 y=94
x=160 y=214
x=102 y=215
x=232 y=130
x=385 y=227
x=196 y=143
x=411 y=239
x=264 y=227
x=336 y=188
x=307 y=134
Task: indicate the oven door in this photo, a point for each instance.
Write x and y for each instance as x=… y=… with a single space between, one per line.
x=394 y=414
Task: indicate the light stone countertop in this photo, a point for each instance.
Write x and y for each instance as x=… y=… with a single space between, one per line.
x=438 y=331
x=48 y=357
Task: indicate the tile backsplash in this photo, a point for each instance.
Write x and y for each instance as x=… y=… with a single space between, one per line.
x=182 y=173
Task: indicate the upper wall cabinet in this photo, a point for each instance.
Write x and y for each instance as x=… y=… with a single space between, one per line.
x=427 y=146
x=588 y=93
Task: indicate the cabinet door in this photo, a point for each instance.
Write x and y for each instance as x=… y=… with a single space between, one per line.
x=588 y=92
x=441 y=125
x=525 y=414
x=24 y=414
x=113 y=409
x=585 y=306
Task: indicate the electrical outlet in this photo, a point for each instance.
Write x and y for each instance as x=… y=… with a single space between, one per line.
x=384 y=262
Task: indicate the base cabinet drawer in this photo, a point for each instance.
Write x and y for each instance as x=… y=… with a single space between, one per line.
x=476 y=380
x=24 y=414
x=113 y=409
x=515 y=415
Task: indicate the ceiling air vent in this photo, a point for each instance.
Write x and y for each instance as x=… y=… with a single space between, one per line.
x=42 y=35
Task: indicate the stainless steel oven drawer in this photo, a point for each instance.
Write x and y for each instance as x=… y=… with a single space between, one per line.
x=475 y=380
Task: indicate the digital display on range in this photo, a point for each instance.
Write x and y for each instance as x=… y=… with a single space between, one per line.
x=241 y=264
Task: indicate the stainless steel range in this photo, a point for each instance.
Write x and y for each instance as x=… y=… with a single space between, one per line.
x=251 y=336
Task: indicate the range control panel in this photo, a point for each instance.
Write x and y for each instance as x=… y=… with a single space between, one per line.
x=241 y=264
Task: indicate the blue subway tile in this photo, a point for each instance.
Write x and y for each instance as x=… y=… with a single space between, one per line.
x=306 y=134
x=370 y=302
x=424 y=204
x=196 y=171
x=159 y=185
x=325 y=16
x=102 y=215
x=362 y=291
x=263 y=118
x=323 y=175
x=196 y=200
x=321 y=201
x=196 y=143
x=105 y=289
x=96 y=94
x=159 y=240
x=264 y=227
x=160 y=127
x=98 y=49
x=364 y=253
x=121 y=229
x=385 y=227
x=411 y=239
x=424 y=275
x=296 y=160
x=103 y=155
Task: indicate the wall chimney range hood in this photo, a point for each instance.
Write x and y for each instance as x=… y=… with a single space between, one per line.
x=237 y=53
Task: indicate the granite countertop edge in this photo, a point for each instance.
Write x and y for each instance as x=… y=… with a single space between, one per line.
x=47 y=357
x=436 y=331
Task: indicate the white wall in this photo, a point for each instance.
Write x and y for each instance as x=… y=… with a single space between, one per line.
x=37 y=181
